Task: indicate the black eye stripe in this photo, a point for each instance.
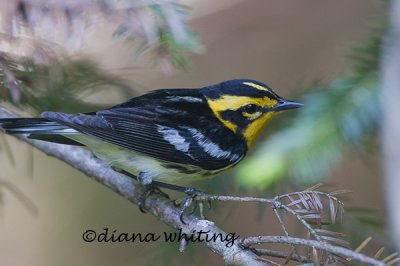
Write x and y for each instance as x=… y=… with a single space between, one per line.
x=251 y=108
x=235 y=117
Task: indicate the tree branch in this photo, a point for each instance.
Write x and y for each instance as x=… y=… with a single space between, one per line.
x=281 y=254
x=248 y=241
x=157 y=205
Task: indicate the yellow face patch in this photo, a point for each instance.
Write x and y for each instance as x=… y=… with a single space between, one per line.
x=254 y=129
x=232 y=102
x=252 y=116
x=258 y=87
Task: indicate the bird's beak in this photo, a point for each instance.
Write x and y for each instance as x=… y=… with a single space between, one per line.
x=286 y=105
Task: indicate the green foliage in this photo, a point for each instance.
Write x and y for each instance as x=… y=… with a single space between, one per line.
x=159 y=27
x=35 y=79
x=336 y=118
x=59 y=86
x=168 y=39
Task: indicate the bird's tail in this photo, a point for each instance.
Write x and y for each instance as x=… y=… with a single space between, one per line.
x=38 y=128
x=30 y=126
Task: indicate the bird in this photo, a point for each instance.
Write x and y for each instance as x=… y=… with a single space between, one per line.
x=169 y=136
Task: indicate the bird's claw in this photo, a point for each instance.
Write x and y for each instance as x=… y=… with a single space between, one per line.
x=191 y=194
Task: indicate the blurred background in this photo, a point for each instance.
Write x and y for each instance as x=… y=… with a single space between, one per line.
x=78 y=56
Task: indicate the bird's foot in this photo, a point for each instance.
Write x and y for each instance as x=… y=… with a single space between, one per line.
x=190 y=201
x=154 y=187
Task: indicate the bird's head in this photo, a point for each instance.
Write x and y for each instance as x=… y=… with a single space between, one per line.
x=245 y=106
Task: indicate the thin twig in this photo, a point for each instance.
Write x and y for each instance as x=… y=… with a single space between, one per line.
x=280 y=254
x=301 y=220
x=282 y=224
x=206 y=197
x=249 y=241
x=275 y=202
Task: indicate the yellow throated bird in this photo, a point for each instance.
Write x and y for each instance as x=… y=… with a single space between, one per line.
x=168 y=135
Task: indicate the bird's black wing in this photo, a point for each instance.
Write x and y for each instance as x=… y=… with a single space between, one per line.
x=162 y=131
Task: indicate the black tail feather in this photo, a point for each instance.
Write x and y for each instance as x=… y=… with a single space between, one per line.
x=38 y=128
x=55 y=138
x=28 y=125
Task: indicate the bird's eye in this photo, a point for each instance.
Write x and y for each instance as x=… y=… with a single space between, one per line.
x=251 y=108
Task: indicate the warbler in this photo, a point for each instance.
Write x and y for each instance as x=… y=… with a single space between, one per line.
x=170 y=135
